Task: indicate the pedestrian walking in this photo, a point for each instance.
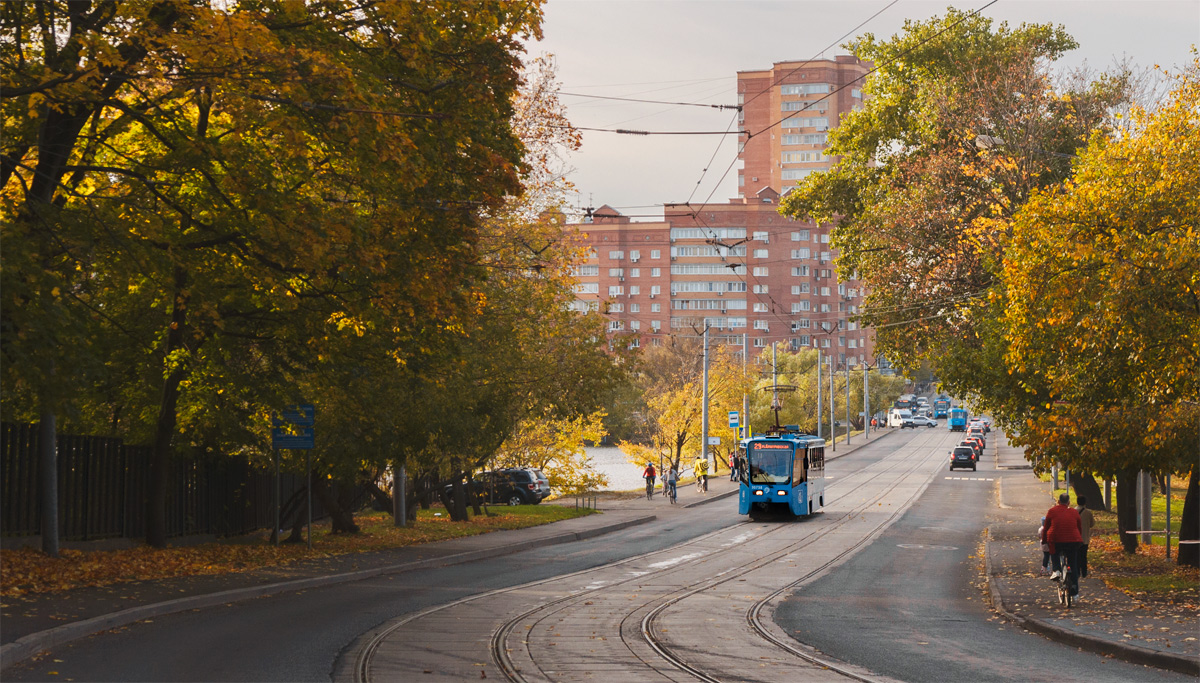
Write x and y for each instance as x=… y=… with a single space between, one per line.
x=1086 y=522
x=732 y=466
x=1041 y=534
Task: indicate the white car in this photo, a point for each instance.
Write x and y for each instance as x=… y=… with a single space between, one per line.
x=923 y=421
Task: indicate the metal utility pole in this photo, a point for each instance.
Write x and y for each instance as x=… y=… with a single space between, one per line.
x=745 y=397
x=704 y=406
x=832 y=415
x=866 y=402
x=847 y=401
x=399 y=495
x=819 y=390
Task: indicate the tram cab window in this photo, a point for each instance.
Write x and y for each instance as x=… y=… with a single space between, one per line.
x=770 y=463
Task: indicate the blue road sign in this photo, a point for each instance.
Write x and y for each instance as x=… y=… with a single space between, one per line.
x=733 y=419
x=301 y=438
x=304 y=415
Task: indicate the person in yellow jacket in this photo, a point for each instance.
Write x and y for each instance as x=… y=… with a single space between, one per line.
x=701 y=468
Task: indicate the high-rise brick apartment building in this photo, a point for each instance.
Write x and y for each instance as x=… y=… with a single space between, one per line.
x=740 y=267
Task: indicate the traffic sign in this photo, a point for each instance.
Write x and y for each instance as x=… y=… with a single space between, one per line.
x=302 y=438
x=714 y=441
x=733 y=419
x=303 y=415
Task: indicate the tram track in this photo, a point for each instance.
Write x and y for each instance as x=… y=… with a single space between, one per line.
x=639 y=629
x=645 y=634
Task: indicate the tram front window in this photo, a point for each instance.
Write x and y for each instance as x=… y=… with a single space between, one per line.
x=769 y=463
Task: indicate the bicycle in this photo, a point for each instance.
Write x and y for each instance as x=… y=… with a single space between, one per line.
x=649 y=488
x=670 y=492
x=1067 y=589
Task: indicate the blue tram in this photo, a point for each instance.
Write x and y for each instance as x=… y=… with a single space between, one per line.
x=785 y=472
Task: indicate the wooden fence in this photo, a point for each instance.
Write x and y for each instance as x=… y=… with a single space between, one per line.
x=103 y=485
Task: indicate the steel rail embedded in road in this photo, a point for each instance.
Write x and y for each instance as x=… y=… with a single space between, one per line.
x=637 y=636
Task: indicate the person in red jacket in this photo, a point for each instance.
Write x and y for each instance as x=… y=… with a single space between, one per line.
x=1064 y=534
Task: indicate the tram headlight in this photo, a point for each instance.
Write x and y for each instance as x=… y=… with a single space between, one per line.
x=782 y=493
x=758 y=492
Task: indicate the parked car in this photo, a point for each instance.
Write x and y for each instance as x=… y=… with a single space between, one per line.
x=512 y=486
x=962 y=456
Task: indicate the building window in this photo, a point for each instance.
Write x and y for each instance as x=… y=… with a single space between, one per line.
x=854 y=343
x=761 y=237
x=761 y=325
x=760 y=289
x=655 y=272
x=802 y=157
x=614 y=307
x=655 y=308
x=587 y=271
x=805 y=89
x=761 y=271
x=616 y=290
x=655 y=290
x=615 y=325
x=800 y=271
x=801 y=253
x=761 y=253
x=760 y=308
x=634 y=325
x=655 y=253
x=616 y=255
x=760 y=342
x=635 y=272
x=635 y=289
x=587 y=288
x=806 y=139
x=826 y=256
x=824 y=291
x=616 y=272
x=825 y=343
x=797 y=173
x=842 y=290
x=635 y=308
x=824 y=238
x=856 y=93
x=635 y=255
x=824 y=308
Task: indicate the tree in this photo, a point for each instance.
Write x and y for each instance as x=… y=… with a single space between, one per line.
x=1103 y=299
x=960 y=123
x=258 y=180
x=558 y=448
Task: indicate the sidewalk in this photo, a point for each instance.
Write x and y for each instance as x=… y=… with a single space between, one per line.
x=38 y=622
x=1104 y=620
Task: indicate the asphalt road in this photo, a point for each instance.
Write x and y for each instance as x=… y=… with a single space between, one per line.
x=911 y=605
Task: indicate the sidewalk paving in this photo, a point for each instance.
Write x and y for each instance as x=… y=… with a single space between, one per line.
x=1104 y=620
x=38 y=622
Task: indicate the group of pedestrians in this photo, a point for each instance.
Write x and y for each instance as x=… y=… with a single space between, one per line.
x=1065 y=535
x=671 y=479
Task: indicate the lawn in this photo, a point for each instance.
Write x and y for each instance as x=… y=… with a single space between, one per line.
x=27 y=570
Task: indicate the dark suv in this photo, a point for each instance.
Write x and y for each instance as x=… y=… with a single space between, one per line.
x=514 y=486
x=962 y=456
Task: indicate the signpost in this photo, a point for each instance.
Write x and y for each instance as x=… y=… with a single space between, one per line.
x=294 y=429
x=733 y=419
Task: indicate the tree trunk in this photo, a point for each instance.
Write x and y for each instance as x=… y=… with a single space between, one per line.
x=164 y=427
x=1189 y=524
x=1085 y=485
x=1127 y=509
x=341 y=519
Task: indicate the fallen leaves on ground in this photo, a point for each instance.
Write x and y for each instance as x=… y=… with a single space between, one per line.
x=27 y=570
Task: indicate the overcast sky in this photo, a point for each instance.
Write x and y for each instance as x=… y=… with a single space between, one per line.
x=691 y=51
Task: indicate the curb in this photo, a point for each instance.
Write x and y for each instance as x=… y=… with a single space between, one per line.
x=27 y=646
x=1134 y=654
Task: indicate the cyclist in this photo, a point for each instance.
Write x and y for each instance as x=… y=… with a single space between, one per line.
x=1064 y=534
x=670 y=480
x=701 y=468
x=649 y=475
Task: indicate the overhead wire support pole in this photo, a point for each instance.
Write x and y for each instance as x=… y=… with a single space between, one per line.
x=847 y=401
x=819 y=391
x=832 y=414
x=704 y=404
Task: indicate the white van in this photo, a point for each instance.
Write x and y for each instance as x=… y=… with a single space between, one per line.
x=897 y=415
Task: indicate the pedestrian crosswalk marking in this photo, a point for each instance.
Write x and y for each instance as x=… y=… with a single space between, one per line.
x=970 y=479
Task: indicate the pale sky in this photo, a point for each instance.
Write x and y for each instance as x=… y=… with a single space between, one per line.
x=691 y=51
